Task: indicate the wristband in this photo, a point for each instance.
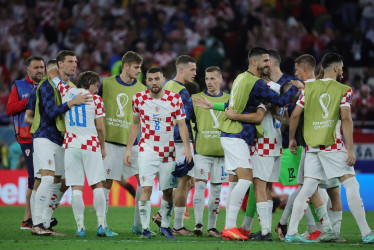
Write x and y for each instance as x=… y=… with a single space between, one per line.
x=56 y=80
x=219 y=106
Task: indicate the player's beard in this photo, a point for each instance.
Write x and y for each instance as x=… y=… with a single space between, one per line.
x=264 y=72
x=339 y=77
x=155 y=92
x=37 y=78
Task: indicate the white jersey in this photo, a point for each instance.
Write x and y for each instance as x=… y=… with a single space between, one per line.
x=157 y=122
x=80 y=120
x=271 y=143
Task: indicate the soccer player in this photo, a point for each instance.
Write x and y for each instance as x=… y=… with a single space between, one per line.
x=209 y=154
x=323 y=102
x=16 y=107
x=117 y=92
x=186 y=72
x=84 y=144
x=246 y=94
x=48 y=128
x=156 y=111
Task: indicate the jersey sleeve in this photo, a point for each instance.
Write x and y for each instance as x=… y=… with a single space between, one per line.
x=99 y=104
x=262 y=106
x=347 y=99
x=61 y=86
x=31 y=100
x=301 y=101
x=179 y=113
x=264 y=92
x=135 y=107
x=187 y=103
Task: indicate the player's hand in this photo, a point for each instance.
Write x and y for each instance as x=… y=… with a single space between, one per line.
x=293 y=146
x=103 y=153
x=202 y=102
x=52 y=72
x=298 y=84
x=351 y=158
x=187 y=153
x=83 y=99
x=230 y=113
x=127 y=158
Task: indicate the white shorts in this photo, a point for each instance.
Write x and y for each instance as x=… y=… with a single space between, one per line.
x=151 y=166
x=266 y=168
x=210 y=164
x=48 y=156
x=80 y=163
x=300 y=174
x=236 y=154
x=326 y=165
x=114 y=165
x=330 y=183
x=179 y=150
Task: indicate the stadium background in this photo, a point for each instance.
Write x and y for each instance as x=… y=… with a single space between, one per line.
x=214 y=32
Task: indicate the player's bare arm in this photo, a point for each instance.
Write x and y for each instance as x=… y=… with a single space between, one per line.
x=294 y=121
x=183 y=131
x=134 y=130
x=202 y=102
x=347 y=127
x=250 y=118
x=29 y=117
x=99 y=122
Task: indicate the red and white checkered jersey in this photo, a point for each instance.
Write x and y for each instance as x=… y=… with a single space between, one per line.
x=271 y=143
x=157 y=118
x=80 y=122
x=339 y=144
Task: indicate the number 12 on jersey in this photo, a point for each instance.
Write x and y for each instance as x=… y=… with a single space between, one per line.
x=80 y=116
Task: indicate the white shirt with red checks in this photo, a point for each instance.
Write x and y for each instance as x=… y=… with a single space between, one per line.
x=158 y=118
x=80 y=120
x=339 y=143
x=271 y=143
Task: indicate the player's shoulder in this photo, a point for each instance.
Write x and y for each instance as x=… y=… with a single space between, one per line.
x=109 y=78
x=172 y=94
x=97 y=98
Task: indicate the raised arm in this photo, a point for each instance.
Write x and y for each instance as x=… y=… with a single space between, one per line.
x=249 y=118
x=264 y=92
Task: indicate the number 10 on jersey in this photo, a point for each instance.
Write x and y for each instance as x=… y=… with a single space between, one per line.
x=80 y=116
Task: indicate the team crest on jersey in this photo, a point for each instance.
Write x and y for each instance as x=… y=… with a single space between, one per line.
x=157 y=109
x=143 y=178
x=201 y=171
x=50 y=162
x=108 y=171
x=27 y=152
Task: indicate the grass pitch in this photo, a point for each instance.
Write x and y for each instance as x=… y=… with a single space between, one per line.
x=121 y=218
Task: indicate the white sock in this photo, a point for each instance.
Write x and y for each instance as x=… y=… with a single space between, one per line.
x=262 y=210
x=99 y=205
x=336 y=220
x=288 y=209
x=236 y=200
x=213 y=205
x=59 y=197
x=321 y=213
x=199 y=201
x=310 y=220
x=300 y=204
x=270 y=213
x=247 y=223
x=106 y=193
x=42 y=198
x=229 y=191
x=165 y=212
x=178 y=217
x=78 y=208
x=145 y=213
x=48 y=211
x=137 y=222
x=32 y=203
x=356 y=205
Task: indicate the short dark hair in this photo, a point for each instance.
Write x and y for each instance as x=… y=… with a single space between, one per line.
x=87 y=78
x=307 y=60
x=184 y=59
x=256 y=51
x=155 y=70
x=131 y=57
x=214 y=69
x=32 y=58
x=62 y=54
x=275 y=55
x=51 y=62
x=330 y=59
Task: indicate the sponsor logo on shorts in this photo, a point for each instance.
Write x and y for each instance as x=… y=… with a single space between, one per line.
x=201 y=171
x=173 y=181
x=50 y=162
x=143 y=178
x=108 y=171
x=27 y=152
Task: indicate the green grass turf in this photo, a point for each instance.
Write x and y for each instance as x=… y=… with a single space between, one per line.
x=120 y=220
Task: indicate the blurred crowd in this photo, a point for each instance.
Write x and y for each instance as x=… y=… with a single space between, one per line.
x=214 y=32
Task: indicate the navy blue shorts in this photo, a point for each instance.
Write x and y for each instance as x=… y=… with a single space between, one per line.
x=27 y=151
